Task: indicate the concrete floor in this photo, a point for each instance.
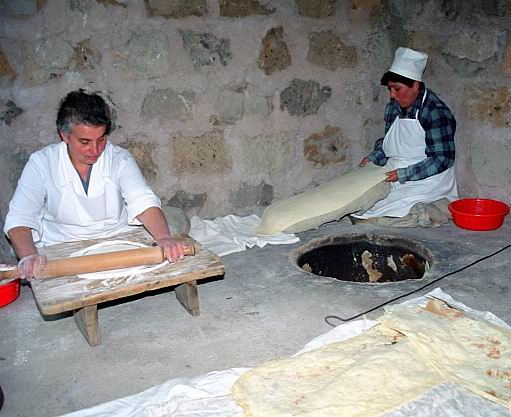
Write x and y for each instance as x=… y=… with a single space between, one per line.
x=263 y=308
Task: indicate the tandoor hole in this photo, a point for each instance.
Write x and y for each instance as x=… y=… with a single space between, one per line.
x=364 y=258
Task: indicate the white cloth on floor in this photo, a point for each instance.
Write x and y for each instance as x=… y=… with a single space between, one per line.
x=209 y=395
x=232 y=233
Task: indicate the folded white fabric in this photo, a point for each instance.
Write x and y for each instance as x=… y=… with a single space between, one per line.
x=231 y=233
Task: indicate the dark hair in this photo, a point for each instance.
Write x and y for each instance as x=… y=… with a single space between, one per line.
x=396 y=78
x=81 y=107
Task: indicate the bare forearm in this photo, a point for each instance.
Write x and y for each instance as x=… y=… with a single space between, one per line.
x=156 y=224
x=154 y=221
x=22 y=241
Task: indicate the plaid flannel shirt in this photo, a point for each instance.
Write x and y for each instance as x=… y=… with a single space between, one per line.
x=440 y=126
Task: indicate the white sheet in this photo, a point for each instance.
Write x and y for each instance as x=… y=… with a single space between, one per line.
x=232 y=233
x=209 y=395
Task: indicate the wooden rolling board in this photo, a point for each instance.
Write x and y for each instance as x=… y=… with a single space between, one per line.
x=57 y=295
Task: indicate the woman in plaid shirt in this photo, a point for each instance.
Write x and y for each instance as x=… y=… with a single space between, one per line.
x=418 y=147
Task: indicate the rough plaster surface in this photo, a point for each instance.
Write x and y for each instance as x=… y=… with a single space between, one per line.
x=9 y=111
x=491 y=162
x=489 y=105
x=234 y=62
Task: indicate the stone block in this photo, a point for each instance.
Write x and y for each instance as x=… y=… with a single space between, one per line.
x=178 y=221
x=229 y=107
x=422 y=41
x=500 y=8
x=167 y=104
x=19 y=7
x=144 y=55
x=328 y=51
x=506 y=61
x=256 y=105
x=327 y=147
x=316 y=8
x=204 y=154
x=477 y=46
x=274 y=55
x=203 y=48
x=80 y=6
x=119 y=3
x=490 y=162
x=405 y=9
x=176 y=8
x=260 y=195
x=51 y=58
x=142 y=152
x=5 y=67
x=244 y=8
x=186 y=201
x=9 y=111
x=86 y=56
x=488 y=104
x=365 y=10
x=374 y=129
x=267 y=154
x=302 y=98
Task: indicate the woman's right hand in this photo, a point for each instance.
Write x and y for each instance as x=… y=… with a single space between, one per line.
x=364 y=162
x=30 y=264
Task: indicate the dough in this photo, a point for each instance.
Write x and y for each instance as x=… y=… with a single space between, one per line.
x=471 y=352
x=115 y=246
x=354 y=191
x=364 y=376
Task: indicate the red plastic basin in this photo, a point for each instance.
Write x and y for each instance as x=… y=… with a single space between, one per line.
x=478 y=213
x=9 y=292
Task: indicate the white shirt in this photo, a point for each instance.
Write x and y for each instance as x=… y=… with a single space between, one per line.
x=50 y=198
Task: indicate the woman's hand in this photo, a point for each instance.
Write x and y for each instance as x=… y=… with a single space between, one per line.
x=391 y=176
x=30 y=264
x=364 y=162
x=174 y=249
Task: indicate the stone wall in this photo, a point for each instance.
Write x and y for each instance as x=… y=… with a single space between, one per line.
x=228 y=105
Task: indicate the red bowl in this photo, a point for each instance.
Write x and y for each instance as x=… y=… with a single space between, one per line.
x=9 y=292
x=478 y=213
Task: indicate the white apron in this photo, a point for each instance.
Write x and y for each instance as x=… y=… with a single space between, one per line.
x=404 y=145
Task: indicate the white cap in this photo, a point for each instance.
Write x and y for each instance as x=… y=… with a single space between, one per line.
x=409 y=63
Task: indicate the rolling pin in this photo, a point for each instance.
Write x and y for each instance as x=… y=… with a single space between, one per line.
x=100 y=262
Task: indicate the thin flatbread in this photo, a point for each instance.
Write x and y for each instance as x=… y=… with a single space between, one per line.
x=471 y=352
x=355 y=190
x=364 y=376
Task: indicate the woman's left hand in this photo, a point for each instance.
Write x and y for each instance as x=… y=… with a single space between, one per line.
x=174 y=250
x=391 y=176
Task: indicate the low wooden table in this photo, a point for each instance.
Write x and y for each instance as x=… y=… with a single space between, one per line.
x=82 y=296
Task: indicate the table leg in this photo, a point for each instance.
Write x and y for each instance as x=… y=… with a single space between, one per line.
x=86 y=319
x=188 y=296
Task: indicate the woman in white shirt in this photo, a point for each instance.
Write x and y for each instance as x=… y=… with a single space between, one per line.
x=82 y=188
